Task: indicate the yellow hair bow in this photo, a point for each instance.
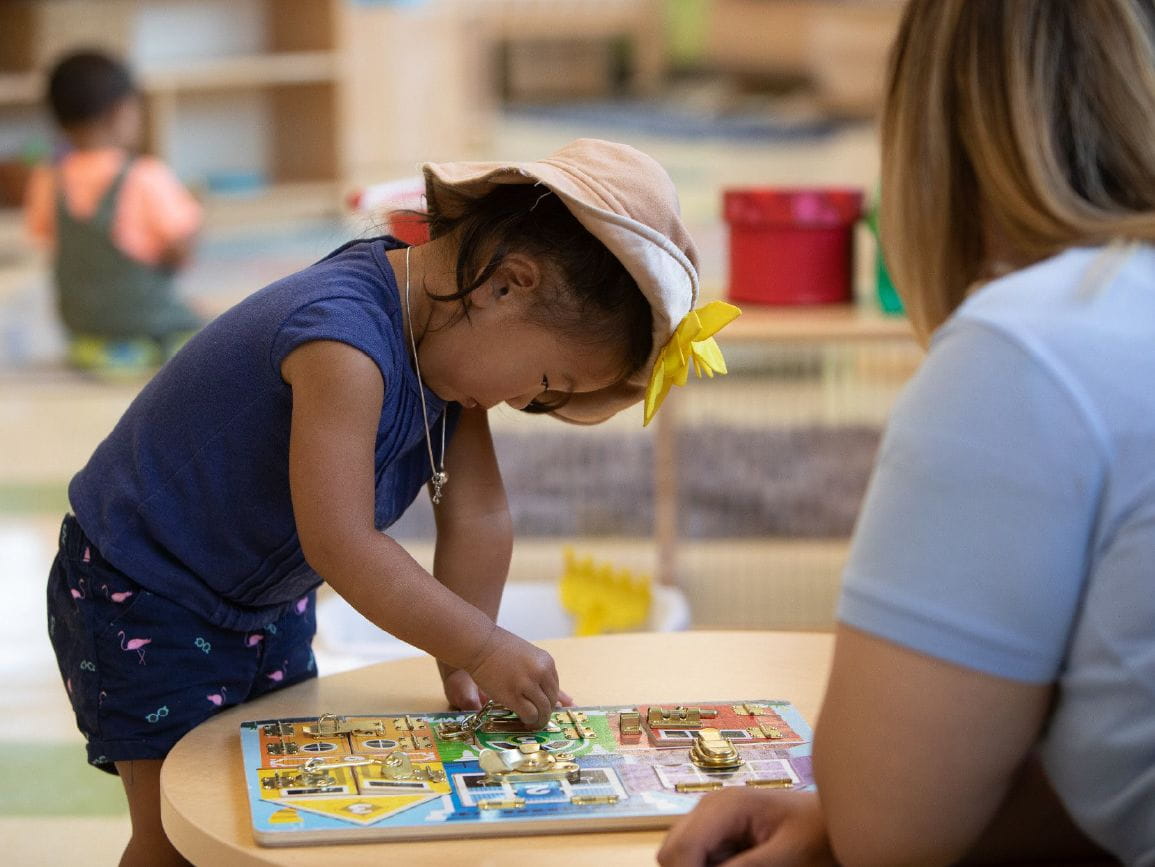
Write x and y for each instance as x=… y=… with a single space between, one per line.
x=692 y=341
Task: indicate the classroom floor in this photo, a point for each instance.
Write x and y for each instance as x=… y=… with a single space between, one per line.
x=50 y=419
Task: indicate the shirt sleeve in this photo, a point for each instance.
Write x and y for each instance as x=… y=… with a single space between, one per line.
x=167 y=208
x=974 y=538
x=354 y=321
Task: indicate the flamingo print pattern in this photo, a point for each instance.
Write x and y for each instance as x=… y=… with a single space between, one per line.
x=115 y=596
x=278 y=675
x=143 y=669
x=137 y=644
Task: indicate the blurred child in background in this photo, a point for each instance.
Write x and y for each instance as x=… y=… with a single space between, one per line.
x=119 y=224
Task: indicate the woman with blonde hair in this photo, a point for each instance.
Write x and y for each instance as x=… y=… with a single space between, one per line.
x=992 y=696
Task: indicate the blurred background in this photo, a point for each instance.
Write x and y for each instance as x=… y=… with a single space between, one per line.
x=298 y=123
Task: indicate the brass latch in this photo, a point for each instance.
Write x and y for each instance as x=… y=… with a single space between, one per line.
x=712 y=750
x=679 y=717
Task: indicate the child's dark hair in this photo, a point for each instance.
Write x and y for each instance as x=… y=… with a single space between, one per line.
x=593 y=299
x=85 y=85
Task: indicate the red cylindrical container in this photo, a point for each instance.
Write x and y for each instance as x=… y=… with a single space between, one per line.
x=408 y=226
x=792 y=246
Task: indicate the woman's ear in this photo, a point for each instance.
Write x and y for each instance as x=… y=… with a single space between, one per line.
x=518 y=276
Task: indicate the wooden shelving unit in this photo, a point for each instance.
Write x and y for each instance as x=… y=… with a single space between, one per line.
x=19 y=88
x=295 y=74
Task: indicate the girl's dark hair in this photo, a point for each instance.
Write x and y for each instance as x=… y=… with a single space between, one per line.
x=85 y=85
x=588 y=296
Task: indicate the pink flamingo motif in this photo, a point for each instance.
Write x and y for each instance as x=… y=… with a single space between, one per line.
x=218 y=698
x=254 y=639
x=115 y=597
x=302 y=604
x=278 y=675
x=136 y=644
x=78 y=594
x=87 y=558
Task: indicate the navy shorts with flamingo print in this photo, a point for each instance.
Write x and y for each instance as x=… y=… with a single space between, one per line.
x=142 y=670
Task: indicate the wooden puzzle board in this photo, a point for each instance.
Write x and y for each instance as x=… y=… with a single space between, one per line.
x=405 y=776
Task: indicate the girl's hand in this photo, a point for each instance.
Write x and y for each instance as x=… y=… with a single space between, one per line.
x=518 y=675
x=741 y=827
x=460 y=690
x=463 y=694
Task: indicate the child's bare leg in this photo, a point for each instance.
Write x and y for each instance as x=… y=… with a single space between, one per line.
x=149 y=847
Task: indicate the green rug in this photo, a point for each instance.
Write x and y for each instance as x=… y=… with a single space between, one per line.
x=55 y=780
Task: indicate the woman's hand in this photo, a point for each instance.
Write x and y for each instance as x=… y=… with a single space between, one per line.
x=742 y=827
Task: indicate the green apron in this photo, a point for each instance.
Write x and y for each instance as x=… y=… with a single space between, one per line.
x=103 y=292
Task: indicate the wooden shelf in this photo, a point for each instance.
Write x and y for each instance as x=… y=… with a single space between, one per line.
x=282 y=201
x=816 y=324
x=11 y=227
x=245 y=71
x=20 y=88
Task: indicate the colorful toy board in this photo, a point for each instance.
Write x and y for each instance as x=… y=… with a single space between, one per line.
x=411 y=776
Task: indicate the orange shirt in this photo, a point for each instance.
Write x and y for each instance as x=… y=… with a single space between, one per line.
x=154 y=209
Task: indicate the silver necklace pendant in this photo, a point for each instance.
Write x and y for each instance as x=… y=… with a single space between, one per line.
x=439 y=479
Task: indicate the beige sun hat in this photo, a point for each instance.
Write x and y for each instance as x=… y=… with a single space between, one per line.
x=628 y=202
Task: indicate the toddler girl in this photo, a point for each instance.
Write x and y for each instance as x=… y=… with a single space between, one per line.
x=272 y=450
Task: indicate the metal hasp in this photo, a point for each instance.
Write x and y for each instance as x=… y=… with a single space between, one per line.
x=713 y=751
x=395 y=765
x=501 y=720
x=493 y=718
x=679 y=717
x=528 y=763
x=309 y=776
x=330 y=726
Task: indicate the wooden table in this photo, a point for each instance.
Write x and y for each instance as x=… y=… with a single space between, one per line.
x=205 y=809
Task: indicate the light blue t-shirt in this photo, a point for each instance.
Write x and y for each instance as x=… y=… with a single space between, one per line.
x=1010 y=522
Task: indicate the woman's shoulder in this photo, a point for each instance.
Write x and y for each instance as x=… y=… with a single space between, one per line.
x=1077 y=298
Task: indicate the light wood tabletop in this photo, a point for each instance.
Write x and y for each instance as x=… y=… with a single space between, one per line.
x=204 y=804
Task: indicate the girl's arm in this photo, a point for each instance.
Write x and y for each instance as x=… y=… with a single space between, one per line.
x=337 y=398
x=913 y=756
x=474 y=535
x=474 y=530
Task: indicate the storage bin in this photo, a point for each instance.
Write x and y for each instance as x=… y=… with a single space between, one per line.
x=792 y=246
x=396 y=207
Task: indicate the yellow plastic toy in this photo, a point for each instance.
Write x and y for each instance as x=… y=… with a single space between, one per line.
x=602 y=598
